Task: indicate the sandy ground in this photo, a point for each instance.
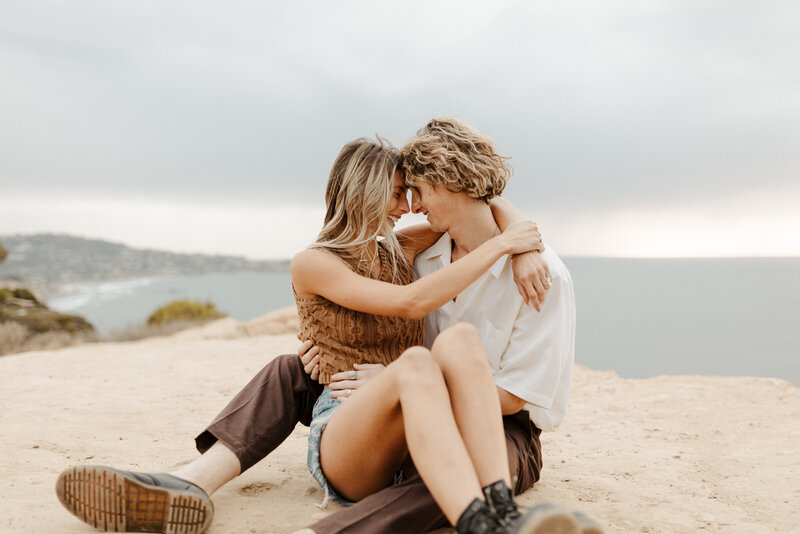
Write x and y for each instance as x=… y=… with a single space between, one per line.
x=671 y=454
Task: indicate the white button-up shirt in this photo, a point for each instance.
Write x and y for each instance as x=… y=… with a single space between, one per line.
x=530 y=353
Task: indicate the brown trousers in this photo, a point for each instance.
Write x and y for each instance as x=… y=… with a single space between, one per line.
x=264 y=413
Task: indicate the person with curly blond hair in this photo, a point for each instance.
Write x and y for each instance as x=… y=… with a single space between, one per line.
x=451 y=154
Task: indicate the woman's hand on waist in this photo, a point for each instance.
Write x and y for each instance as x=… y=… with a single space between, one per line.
x=346 y=383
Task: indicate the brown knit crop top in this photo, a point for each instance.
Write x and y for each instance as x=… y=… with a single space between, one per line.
x=345 y=337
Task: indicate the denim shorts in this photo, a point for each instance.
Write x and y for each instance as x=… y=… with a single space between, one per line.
x=320 y=415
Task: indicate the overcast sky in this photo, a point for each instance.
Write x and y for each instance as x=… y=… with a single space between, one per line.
x=635 y=128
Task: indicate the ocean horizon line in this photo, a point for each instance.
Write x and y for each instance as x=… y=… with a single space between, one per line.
x=255 y=258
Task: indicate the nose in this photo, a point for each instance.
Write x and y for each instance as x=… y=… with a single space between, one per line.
x=404 y=205
x=415 y=202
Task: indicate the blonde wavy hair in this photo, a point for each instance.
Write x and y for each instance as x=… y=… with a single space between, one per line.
x=456 y=156
x=358 y=193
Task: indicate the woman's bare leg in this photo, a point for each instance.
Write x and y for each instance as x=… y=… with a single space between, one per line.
x=460 y=354
x=212 y=470
x=407 y=405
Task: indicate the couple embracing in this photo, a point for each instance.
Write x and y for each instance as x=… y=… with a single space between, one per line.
x=437 y=355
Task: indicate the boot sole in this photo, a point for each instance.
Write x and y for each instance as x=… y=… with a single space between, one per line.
x=588 y=526
x=111 y=501
x=548 y=521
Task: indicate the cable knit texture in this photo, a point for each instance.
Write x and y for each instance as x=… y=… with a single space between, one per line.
x=346 y=337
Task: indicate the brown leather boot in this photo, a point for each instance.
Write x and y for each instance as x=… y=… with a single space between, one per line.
x=479 y=518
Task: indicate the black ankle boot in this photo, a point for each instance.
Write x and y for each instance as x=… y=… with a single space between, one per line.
x=501 y=499
x=479 y=518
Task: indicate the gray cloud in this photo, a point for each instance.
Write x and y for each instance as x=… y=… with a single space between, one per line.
x=250 y=101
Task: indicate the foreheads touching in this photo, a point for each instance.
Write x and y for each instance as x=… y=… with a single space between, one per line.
x=359 y=192
x=454 y=155
x=398 y=204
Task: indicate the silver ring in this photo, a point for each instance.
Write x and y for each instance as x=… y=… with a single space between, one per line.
x=348 y=392
x=351 y=375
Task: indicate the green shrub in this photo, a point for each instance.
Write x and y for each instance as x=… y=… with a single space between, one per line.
x=3 y=253
x=184 y=310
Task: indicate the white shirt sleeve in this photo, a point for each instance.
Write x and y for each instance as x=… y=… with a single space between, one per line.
x=539 y=352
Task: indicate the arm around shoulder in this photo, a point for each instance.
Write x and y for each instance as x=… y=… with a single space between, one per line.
x=317 y=272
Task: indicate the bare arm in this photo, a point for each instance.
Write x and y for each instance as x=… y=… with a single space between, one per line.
x=316 y=272
x=531 y=273
x=509 y=403
x=415 y=239
x=505 y=213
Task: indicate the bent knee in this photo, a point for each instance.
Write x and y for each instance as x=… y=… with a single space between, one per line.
x=459 y=345
x=461 y=330
x=287 y=369
x=457 y=335
x=287 y=364
x=416 y=365
x=416 y=358
x=291 y=360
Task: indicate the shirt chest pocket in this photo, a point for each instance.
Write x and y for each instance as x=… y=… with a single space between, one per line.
x=494 y=342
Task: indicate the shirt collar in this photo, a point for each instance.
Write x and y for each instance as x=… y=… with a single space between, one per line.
x=443 y=247
x=440 y=250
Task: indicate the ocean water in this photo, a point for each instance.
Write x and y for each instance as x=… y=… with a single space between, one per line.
x=642 y=318
x=734 y=317
x=114 y=305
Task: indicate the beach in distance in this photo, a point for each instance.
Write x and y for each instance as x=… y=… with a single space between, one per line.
x=638 y=317
x=668 y=455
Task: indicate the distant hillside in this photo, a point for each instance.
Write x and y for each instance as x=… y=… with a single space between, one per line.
x=46 y=261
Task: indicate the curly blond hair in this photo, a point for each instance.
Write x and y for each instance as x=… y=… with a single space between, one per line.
x=456 y=156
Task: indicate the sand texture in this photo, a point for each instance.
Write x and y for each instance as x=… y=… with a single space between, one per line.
x=671 y=454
